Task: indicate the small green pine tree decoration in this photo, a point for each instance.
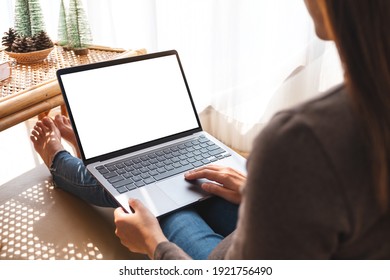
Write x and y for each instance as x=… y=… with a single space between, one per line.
x=29 y=34
x=28 y=18
x=62 y=26
x=79 y=33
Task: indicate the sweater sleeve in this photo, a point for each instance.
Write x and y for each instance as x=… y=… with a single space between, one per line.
x=292 y=207
x=169 y=251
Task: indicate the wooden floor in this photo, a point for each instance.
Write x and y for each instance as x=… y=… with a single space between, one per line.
x=38 y=221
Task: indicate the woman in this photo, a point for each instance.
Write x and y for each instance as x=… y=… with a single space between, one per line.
x=318 y=176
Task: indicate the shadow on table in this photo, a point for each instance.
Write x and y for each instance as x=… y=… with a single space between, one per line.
x=38 y=221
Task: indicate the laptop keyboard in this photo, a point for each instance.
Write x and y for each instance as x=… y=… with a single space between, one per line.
x=135 y=172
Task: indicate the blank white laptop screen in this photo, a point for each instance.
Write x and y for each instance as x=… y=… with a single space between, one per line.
x=120 y=106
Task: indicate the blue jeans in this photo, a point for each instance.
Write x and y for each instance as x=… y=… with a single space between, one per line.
x=197 y=229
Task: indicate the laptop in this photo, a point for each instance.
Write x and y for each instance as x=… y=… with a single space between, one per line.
x=138 y=130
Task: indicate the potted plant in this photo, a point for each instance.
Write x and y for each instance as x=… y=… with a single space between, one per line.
x=27 y=50
x=28 y=42
x=79 y=33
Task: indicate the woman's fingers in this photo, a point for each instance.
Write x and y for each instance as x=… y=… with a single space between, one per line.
x=225 y=176
x=225 y=181
x=139 y=232
x=211 y=172
x=119 y=212
x=225 y=193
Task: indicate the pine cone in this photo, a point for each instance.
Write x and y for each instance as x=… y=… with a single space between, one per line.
x=23 y=45
x=42 y=41
x=9 y=38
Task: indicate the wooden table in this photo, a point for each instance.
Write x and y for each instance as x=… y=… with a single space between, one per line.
x=33 y=89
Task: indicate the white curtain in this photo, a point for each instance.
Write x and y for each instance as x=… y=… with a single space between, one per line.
x=244 y=59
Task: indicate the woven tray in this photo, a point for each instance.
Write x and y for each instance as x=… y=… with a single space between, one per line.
x=25 y=76
x=30 y=57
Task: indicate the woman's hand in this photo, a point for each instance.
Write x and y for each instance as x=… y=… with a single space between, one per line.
x=227 y=181
x=140 y=231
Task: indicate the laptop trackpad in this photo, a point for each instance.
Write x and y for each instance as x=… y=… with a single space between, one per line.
x=181 y=191
x=154 y=199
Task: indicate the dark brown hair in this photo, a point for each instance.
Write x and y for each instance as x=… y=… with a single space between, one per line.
x=362 y=34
